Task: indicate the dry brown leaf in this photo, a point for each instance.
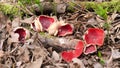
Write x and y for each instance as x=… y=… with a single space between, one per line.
x=61 y=8
x=116 y=54
x=16 y=22
x=3 y=20
x=28 y=20
x=18 y=64
x=97 y=65
x=57 y=1
x=3 y=66
x=1 y=53
x=1 y=43
x=77 y=63
x=35 y=64
x=55 y=56
x=14 y=38
x=25 y=57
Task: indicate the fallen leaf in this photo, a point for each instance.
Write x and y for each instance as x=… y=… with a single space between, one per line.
x=61 y=8
x=35 y=64
x=1 y=53
x=97 y=65
x=115 y=54
x=55 y=56
x=28 y=20
x=16 y=23
x=77 y=63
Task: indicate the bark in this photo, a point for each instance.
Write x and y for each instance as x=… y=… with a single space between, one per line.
x=58 y=44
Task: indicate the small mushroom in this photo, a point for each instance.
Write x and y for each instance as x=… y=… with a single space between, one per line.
x=90 y=49
x=94 y=36
x=65 y=29
x=42 y=23
x=22 y=32
x=69 y=55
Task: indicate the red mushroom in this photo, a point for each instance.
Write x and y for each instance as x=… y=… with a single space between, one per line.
x=69 y=55
x=94 y=36
x=90 y=49
x=22 y=32
x=65 y=30
x=42 y=23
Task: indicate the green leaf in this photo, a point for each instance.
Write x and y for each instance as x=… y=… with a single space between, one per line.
x=102 y=61
x=99 y=54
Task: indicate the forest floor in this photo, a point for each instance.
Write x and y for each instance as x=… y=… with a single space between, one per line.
x=59 y=34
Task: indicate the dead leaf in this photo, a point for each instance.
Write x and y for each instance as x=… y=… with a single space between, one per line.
x=18 y=64
x=61 y=8
x=35 y=64
x=57 y=1
x=25 y=57
x=115 y=54
x=14 y=38
x=16 y=22
x=1 y=53
x=55 y=56
x=3 y=66
x=1 y=43
x=77 y=63
x=28 y=20
x=97 y=65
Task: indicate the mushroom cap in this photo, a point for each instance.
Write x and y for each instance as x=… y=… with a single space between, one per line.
x=94 y=36
x=90 y=49
x=65 y=29
x=22 y=32
x=42 y=23
x=46 y=21
x=69 y=55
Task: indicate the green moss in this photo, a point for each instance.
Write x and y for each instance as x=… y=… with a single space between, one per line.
x=44 y=34
x=9 y=9
x=71 y=7
x=112 y=6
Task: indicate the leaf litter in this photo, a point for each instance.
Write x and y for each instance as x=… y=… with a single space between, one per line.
x=44 y=51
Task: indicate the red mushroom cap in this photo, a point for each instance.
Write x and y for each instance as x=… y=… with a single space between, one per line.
x=78 y=49
x=46 y=21
x=94 y=36
x=42 y=22
x=22 y=34
x=65 y=30
x=69 y=55
x=90 y=49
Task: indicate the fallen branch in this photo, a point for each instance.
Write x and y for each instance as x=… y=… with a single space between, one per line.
x=58 y=44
